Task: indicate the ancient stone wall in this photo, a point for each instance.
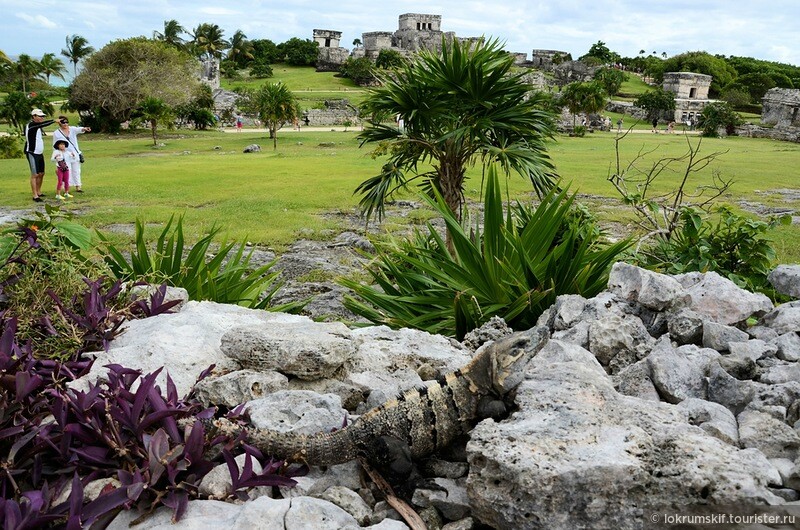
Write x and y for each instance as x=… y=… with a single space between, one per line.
x=545 y=59
x=691 y=94
x=331 y=59
x=327 y=38
x=781 y=107
x=336 y=112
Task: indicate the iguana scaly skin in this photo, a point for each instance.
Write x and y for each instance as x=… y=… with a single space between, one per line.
x=426 y=418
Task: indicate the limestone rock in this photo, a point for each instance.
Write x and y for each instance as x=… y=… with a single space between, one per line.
x=650 y=289
x=297 y=411
x=718 y=336
x=679 y=374
x=713 y=418
x=577 y=452
x=240 y=386
x=722 y=300
x=636 y=381
x=252 y=148
x=786 y=280
x=302 y=351
x=770 y=436
x=784 y=319
x=788 y=346
x=686 y=327
x=349 y=501
x=451 y=500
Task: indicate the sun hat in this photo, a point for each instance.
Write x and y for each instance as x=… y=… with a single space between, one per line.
x=66 y=143
x=37 y=112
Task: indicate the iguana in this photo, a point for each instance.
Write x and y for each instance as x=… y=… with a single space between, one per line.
x=424 y=419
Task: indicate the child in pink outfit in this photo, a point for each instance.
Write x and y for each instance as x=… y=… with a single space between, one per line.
x=61 y=158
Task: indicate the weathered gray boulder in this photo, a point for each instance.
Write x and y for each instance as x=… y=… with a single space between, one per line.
x=636 y=381
x=262 y=513
x=786 y=280
x=577 y=452
x=297 y=411
x=784 y=319
x=679 y=373
x=240 y=386
x=728 y=391
x=183 y=343
x=649 y=289
x=685 y=326
x=252 y=148
x=772 y=437
x=722 y=300
x=718 y=336
x=754 y=349
x=788 y=346
x=618 y=336
x=713 y=418
x=298 y=350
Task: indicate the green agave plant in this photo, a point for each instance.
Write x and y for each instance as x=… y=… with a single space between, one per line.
x=514 y=267
x=226 y=278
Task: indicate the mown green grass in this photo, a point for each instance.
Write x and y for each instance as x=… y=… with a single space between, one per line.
x=274 y=197
x=310 y=87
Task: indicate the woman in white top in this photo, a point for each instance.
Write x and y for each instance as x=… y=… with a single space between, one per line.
x=70 y=135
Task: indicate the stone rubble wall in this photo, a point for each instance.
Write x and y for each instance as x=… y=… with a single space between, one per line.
x=662 y=391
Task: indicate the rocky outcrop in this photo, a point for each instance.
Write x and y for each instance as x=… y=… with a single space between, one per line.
x=661 y=391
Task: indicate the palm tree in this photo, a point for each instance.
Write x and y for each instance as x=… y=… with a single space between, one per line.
x=77 y=48
x=27 y=67
x=153 y=110
x=4 y=58
x=240 y=50
x=52 y=66
x=275 y=105
x=356 y=43
x=208 y=40
x=171 y=34
x=461 y=106
x=579 y=97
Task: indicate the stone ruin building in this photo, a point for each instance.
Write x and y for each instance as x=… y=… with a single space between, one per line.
x=415 y=31
x=209 y=73
x=781 y=107
x=691 y=94
x=330 y=56
x=548 y=59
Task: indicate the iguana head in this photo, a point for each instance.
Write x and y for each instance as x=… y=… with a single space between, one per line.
x=509 y=356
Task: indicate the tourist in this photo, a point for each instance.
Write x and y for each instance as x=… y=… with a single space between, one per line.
x=655 y=125
x=671 y=127
x=70 y=135
x=34 y=147
x=619 y=125
x=62 y=158
x=239 y=122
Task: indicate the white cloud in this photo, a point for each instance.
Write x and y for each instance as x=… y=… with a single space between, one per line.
x=38 y=21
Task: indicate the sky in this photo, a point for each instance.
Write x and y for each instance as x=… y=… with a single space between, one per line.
x=767 y=29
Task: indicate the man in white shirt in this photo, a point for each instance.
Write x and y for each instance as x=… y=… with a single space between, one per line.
x=34 y=147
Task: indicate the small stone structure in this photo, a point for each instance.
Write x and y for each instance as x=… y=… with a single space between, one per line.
x=330 y=56
x=781 y=107
x=548 y=59
x=209 y=73
x=691 y=93
x=336 y=112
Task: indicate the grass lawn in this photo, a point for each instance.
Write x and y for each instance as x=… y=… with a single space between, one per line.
x=274 y=197
x=310 y=87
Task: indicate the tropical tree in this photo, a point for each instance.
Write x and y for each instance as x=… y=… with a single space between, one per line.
x=602 y=55
x=77 y=49
x=610 y=78
x=52 y=66
x=241 y=50
x=718 y=115
x=118 y=78
x=16 y=107
x=357 y=43
x=588 y=98
x=722 y=73
x=360 y=70
x=388 y=59
x=656 y=102
x=461 y=106
x=171 y=34
x=275 y=105
x=153 y=110
x=27 y=68
x=299 y=52
x=208 y=41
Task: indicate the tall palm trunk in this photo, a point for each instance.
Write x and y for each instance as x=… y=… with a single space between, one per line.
x=451 y=186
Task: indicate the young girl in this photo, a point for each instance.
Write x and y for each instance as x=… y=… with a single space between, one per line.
x=62 y=159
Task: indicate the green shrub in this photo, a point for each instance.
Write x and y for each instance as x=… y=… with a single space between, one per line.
x=225 y=278
x=718 y=115
x=11 y=146
x=513 y=267
x=733 y=246
x=43 y=258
